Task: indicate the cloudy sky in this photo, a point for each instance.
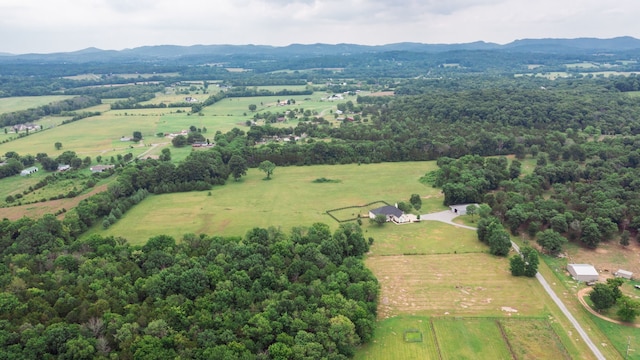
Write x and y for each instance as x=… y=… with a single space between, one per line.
x=45 y=26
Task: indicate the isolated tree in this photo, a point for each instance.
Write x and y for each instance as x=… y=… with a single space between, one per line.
x=602 y=296
x=165 y=155
x=472 y=209
x=237 y=166
x=499 y=240
x=252 y=107
x=624 y=238
x=268 y=167
x=137 y=136
x=58 y=145
x=416 y=201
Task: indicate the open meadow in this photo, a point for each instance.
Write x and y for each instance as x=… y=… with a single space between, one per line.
x=290 y=199
x=18 y=103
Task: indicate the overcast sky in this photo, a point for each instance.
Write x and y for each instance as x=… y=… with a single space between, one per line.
x=45 y=26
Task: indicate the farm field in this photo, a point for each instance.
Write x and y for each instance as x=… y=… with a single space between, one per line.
x=464 y=338
x=290 y=199
x=436 y=285
x=100 y=135
x=18 y=103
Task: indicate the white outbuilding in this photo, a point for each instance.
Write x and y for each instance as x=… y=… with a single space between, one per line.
x=624 y=274
x=583 y=272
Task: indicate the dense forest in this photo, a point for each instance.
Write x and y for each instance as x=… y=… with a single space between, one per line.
x=303 y=295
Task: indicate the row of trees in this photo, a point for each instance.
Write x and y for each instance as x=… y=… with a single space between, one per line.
x=54 y=108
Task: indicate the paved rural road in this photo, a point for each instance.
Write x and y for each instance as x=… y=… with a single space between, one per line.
x=448 y=216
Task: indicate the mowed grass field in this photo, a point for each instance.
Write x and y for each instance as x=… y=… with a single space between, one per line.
x=290 y=199
x=472 y=284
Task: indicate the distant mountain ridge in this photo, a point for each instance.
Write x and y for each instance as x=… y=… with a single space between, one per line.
x=168 y=52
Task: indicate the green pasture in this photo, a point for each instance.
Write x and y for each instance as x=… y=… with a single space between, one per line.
x=290 y=199
x=464 y=338
x=470 y=339
x=621 y=337
x=389 y=342
x=17 y=184
x=18 y=103
x=100 y=135
x=92 y=136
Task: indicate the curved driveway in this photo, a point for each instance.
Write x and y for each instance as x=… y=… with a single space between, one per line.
x=448 y=216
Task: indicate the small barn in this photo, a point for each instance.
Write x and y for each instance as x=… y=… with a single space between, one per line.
x=624 y=274
x=391 y=212
x=460 y=209
x=583 y=272
x=101 y=168
x=28 y=171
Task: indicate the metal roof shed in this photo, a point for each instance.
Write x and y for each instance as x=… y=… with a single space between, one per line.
x=583 y=272
x=624 y=274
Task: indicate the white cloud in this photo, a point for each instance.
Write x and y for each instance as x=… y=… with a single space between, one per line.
x=66 y=25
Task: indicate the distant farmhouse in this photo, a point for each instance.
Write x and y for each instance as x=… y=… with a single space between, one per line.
x=392 y=213
x=28 y=171
x=583 y=272
x=63 y=167
x=190 y=99
x=100 y=168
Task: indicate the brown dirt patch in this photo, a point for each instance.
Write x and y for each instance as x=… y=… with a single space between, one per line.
x=382 y=93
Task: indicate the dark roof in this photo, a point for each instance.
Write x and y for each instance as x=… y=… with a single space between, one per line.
x=387 y=210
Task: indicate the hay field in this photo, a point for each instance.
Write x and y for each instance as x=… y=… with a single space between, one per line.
x=473 y=284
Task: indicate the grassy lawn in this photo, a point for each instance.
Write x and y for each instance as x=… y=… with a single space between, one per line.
x=426 y=237
x=290 y=199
